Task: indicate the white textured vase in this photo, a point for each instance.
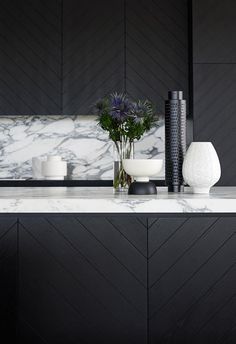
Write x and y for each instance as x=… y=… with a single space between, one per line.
x=201 y=167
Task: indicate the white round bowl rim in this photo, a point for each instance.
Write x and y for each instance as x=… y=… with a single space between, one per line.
x=201 y=142
x=142 y=160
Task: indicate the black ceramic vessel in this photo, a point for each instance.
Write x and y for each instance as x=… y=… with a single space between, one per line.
x=175 y=140
x=142 y=188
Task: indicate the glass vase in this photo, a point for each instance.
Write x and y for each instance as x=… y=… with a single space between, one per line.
x=123 y=149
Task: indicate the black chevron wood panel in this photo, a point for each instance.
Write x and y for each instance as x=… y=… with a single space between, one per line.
x=8 y=278
x=74 y=279
x=214 y=31
x=192 y=279
x=80 y=282
x=214 y=57
x=30 y=57
x=93 y=52
x=156 y=49
x=214 y=113
x=61 y=56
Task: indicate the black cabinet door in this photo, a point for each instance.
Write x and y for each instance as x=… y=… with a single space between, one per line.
x=140 y=47
x=8 y=279
x=61 y=56
x=214 y=113
x=30 y=57
x=214 y=31
x=214 y=76
x=93 y=52
x=192 y=280
x=83 y=279
x=156 y=49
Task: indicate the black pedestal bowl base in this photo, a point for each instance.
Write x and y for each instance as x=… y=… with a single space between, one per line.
x=142 y=188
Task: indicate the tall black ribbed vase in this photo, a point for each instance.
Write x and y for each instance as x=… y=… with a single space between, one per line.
x=175 y=139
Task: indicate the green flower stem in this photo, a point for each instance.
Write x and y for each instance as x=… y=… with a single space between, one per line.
x=124 y=150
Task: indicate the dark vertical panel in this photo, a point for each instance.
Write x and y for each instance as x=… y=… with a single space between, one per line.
x=192 y=277
x=214 y=56
x=30 y=57
x=61 y=56
x=214 y=113
x=74 y=285
x=214 y=31
x=157 y=49
x=8 y=279
x=93 y=52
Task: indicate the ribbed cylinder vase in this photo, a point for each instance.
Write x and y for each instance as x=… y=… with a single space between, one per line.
x=175 y=140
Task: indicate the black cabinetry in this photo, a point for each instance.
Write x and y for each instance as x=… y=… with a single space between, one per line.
x=83 y=280
x=192 y=278
x=8 y=278
x=214 y=75
x=93 y=52
x=61 y=56
x=118 y=279
x=30 y=57
x=156 y=51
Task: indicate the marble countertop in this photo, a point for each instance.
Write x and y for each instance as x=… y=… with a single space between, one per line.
x=103 y=200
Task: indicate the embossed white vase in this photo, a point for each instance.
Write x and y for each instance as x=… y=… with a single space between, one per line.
x=201 y=167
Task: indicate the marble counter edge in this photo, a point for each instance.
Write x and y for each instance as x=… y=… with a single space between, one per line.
x=139 y=206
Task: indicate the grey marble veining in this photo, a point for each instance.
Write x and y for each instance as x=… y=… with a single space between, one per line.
x=103 y=200
x=77 y=139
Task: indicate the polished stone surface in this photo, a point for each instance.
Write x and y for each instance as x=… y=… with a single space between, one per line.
x=103 y=200
x=77 y=139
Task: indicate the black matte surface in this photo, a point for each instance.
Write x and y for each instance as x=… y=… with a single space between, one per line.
x=93 y=52
x=60 y=56
x=30 y=57
x=72 y=182
x=192 y=277
x=214 y=113
x=83 y=280
x=124 y=278
x=214 y=31
x=142 y=188
x=156 y=49
x=214 y=76
x=8 y=279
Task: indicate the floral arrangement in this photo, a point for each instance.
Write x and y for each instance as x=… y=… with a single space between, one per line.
x=123 y=118
x=125 y=121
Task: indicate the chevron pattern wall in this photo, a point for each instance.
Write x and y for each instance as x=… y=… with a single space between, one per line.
x=61 y=56
x=214 y=57
x=120 y=279
x=8 y=277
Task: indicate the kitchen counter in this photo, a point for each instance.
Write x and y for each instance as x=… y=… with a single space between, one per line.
x=103 y=200
x=112 y=277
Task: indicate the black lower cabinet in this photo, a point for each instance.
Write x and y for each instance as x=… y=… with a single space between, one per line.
x=119 y=279
x=8 y=279
x=192 y=280
x=83 y=280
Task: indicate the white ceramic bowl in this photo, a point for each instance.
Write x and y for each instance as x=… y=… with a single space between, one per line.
x=142 y=169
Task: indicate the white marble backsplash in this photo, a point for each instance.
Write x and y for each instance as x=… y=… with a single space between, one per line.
x=77 y=139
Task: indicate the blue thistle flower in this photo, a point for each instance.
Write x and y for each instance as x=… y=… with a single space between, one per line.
x=120 y=107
